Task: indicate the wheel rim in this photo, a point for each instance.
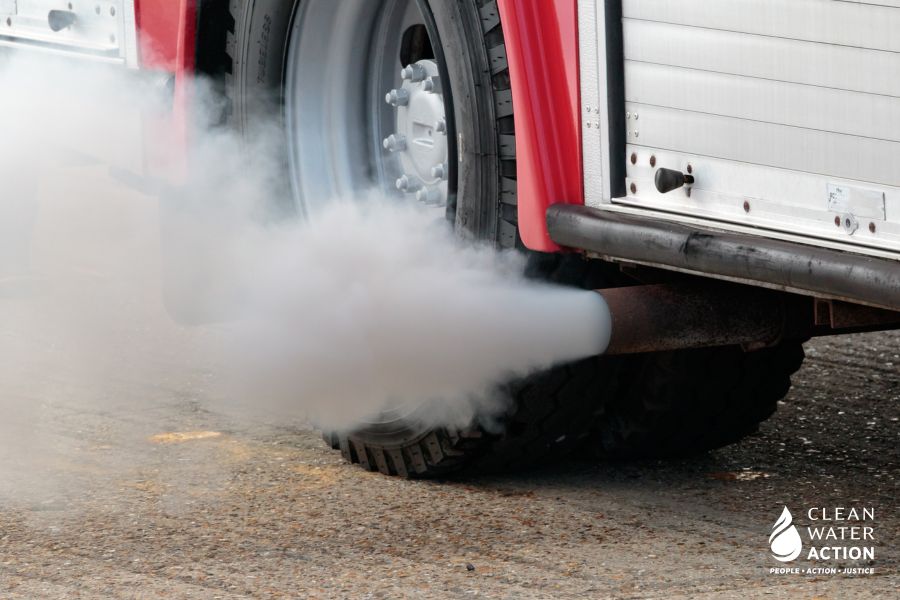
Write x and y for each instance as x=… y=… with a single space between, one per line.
x=364 y=104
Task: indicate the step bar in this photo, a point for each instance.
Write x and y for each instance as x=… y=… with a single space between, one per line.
x=791 y=267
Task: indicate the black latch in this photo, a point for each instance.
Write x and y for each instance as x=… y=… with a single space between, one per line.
x=668 y=180
x=60 y=19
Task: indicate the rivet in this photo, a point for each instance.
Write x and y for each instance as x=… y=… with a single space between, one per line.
x=590 y=125
x=653 y=161
x=746 y=206
x=690 y=169
x=872 y=227
x=633 y=158
x=9 y=21
x=837 y=221
x=634 y=188
x=637 y=134
x=636 y=116
x=588 y=108
x=112 y=11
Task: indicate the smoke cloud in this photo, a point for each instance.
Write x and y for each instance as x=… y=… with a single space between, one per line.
x=368 y=305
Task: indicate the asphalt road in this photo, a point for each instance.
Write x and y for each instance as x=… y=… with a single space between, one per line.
x=123 y=476
x=111 y=505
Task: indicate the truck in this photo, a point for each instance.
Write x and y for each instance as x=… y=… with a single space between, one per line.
x=724 y=172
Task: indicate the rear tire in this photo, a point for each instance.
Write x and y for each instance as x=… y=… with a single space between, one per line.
x=551 y=413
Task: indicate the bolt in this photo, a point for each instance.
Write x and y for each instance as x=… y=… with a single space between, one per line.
x=432 y=84
x=633 y=158
x=746 y=206
x=440 y=171
x=590 y=125
x=9 y=21
x=441 y=126
x=637 y=134
x=872 y=227
x=634 y=188
x=429 y=196
x=628 y=115
x=409 y=184
x=398 y=97
x=636 y=116
x=837 y=221
x=414 y=73
x=395 y=143
x=850 y=224
x=652 y=161
x=690 y=169
x=588 y=108
x=112 y=11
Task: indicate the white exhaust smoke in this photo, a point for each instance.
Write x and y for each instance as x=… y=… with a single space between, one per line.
x=367 y=306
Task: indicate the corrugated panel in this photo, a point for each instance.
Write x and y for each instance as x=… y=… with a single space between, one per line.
x=795 y=148
x=748 y=55
x=808 y=85
x=872 y=25
x=825 y=109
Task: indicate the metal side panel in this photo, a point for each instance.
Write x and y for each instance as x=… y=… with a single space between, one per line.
x=786 y=113
x=103 y=31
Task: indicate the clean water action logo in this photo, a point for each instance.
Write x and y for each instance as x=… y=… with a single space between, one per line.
x=840 y=533
x=785 y=540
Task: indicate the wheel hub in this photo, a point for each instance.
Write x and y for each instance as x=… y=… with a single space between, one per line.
x=420 y=140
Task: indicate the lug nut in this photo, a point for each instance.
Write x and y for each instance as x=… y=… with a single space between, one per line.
x=414 y=73
x=440 y=171
x=430 y=196
x=398 y=97
x=409 y=184
x=441 y=126
x=432 y=84
x=395 y=143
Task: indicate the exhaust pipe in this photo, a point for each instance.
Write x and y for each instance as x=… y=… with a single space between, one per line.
x=656 y=318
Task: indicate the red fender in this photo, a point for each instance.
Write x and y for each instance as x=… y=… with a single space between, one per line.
x=167 y=34
x=542 y=51
x=167 y=41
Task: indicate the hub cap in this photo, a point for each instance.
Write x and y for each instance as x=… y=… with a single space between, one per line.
x=420 y=141
x=363 y=115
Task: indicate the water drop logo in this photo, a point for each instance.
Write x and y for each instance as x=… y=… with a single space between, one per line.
x=785 y=540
